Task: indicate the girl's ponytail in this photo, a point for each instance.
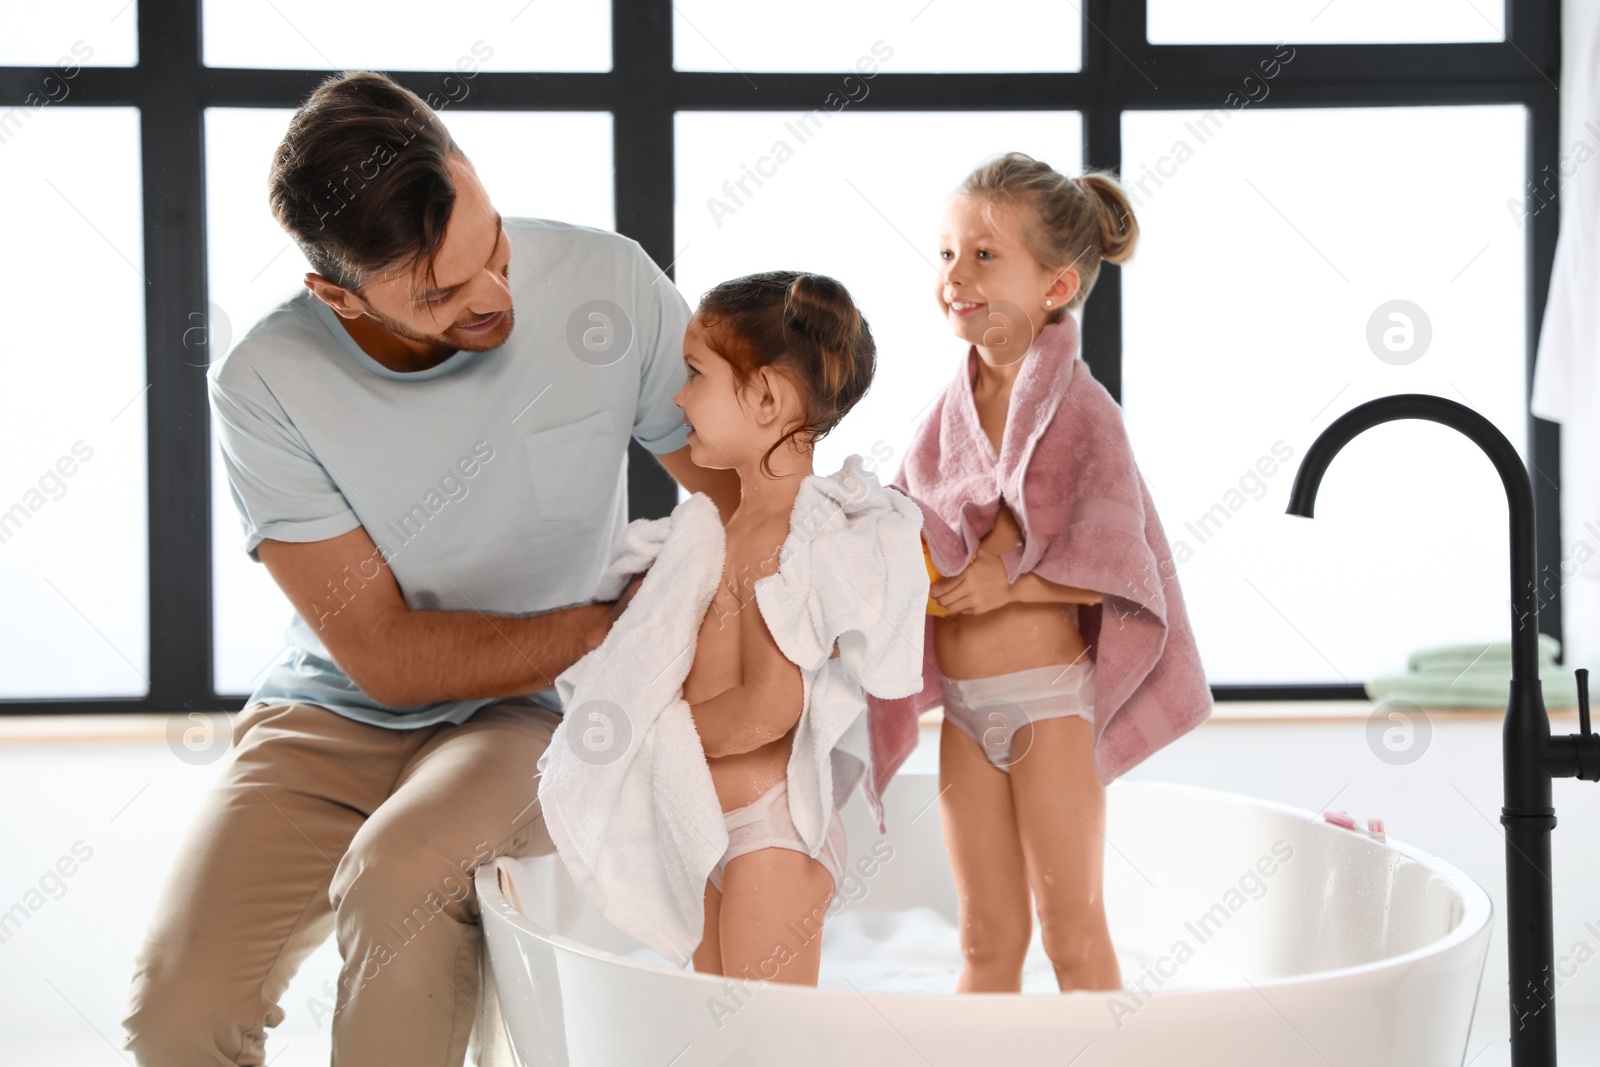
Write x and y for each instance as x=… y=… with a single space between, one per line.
x=1119 y=230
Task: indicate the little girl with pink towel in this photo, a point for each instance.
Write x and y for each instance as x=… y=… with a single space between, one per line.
x=1056 y=637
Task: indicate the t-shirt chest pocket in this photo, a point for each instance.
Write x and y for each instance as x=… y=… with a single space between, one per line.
x=574 y=466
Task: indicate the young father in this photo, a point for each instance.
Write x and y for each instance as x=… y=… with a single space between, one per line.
x=436 y=487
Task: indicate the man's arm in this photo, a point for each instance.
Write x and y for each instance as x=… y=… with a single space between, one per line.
x=347 y=595
x=722 y=486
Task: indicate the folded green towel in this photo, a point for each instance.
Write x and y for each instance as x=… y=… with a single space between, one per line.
x=1473 y=676
x=1558 y=690
x=1460 y=657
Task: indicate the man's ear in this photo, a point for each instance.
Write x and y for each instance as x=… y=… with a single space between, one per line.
x=337 y=297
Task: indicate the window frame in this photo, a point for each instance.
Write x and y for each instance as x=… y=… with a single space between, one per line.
x=1120 y=71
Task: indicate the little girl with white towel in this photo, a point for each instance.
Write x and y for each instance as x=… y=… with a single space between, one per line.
x=693 y=788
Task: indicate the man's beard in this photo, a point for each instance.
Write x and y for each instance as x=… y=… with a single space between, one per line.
x=452 y=339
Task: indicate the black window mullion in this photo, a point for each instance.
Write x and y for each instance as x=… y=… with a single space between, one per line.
x=1109 y=29
x=644 y=160
x=176 y=354
x=1102 y=315
x=20 y=87
x=1533 y=31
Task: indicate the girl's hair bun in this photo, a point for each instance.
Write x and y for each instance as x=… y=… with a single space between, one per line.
x=803 y=324
x=818 y=310
x=1119 y=231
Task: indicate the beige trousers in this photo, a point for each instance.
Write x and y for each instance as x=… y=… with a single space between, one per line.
x=322 y=824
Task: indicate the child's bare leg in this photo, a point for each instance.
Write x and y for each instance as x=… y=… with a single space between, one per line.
x=980 y=834
x=774 y=901
x=1061 y=812
x=708 y=954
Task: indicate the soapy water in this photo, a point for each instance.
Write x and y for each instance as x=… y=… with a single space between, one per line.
x=912 y=951
x=916 y=950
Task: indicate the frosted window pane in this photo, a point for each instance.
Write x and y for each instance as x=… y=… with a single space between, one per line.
x=847 y=204
x=908 y=35
x=65 y=34
x=253 y=265
x=1270 y=250
x=556 y=35
x=73 y=512
x=1324 y=21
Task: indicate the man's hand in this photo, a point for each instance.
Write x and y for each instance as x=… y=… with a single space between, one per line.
x=627 y=594
x=614 y=610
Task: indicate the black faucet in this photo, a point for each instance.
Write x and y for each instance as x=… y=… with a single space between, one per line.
x=1530 y=756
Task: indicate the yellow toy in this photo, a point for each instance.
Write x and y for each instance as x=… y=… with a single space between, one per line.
x=934 y=607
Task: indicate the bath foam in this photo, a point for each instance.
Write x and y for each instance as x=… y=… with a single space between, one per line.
x=919 y=951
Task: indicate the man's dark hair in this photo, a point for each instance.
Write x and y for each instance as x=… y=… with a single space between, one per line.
x=361 y=182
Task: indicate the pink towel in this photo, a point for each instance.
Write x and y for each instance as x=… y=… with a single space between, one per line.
x=1067 y=473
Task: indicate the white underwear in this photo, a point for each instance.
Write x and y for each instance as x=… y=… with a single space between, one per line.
x=765 y=823
x=991 y=710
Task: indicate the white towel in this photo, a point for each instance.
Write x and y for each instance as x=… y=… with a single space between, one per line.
x=1566 y=378
x=851 y=571
x=625 y=787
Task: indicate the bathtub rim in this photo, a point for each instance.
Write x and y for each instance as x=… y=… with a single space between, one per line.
x=1476 y=920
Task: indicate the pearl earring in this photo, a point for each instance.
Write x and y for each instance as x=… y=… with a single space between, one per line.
x=1047 y=303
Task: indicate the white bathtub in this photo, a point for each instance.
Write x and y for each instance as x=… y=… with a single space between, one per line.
x=1349 y=953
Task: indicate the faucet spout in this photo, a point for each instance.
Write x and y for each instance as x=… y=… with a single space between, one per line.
x=1484 y=434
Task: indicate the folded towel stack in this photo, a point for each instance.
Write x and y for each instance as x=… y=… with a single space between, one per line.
x=1473 y=676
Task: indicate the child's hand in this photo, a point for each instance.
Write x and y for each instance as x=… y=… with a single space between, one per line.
x=1003 y=536
x=981 y=587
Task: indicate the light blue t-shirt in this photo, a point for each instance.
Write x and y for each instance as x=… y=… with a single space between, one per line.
x=493 y=482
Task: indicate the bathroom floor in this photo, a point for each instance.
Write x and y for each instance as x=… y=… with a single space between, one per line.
x=64 y=967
